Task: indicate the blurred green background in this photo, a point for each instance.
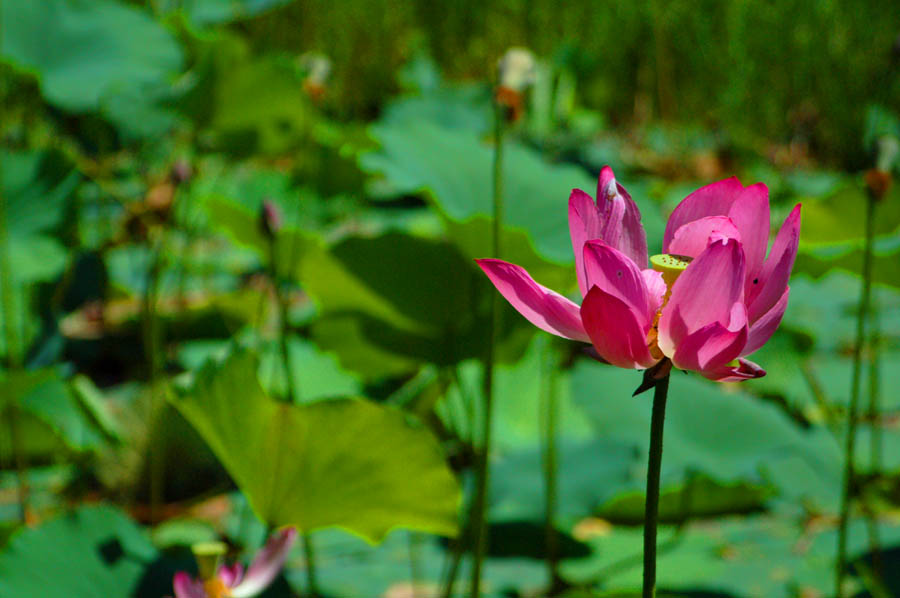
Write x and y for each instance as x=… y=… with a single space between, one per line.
x=147 y=314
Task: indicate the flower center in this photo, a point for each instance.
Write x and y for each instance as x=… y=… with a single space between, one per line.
x=671 y=267
x=209 y=556
x=215 y=588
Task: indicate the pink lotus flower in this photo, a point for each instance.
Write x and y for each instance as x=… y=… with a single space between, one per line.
x=231 y=582
x=712 y=299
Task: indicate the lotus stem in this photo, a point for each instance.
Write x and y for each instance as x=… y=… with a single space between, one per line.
x=479 y=515
x=549 y=413
x=875 y=436
x=281 y=299
x=13 y=357
x=654 y=466
x=156 y=448
x=853 y=408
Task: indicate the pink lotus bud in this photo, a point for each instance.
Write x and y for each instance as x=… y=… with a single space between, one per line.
x=270 y=218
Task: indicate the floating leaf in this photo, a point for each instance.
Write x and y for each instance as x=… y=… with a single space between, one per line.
x=729 y=436
x=93 y=552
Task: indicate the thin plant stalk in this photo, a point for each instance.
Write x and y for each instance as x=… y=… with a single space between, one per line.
x=875 y=435
x=479 y=507
x=282 y=301
x=654 y=466
x=550 y=417
x=156 y=447
x=853 y=408
x=13 y=357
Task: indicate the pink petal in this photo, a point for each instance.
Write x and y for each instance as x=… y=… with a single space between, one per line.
x=768 y=286
x=546 y=309
x=704 y=294
x=692 y=238
x=764 y=327
x=750 y=213
x=618 y=210
x=714 y=345
x=745 y=370
x=614 y=330
x=267 y=564
x=231 y=575
x=617 y=275
x=187 y=587
x=656 y=289
x=584 y=225
x=712 y=200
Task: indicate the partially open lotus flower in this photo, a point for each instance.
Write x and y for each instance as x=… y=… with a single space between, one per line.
x=711 y=299
x=232 y=582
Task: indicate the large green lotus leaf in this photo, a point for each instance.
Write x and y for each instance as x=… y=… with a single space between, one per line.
x=93 y=552
x=840 y=217
x=101 y=49
x=454 y=167
x=849 y=257
x=711 y=430
x=825 y=310
x=394 y=301
x=347 y=463
x=805 y=378
x=752 y=557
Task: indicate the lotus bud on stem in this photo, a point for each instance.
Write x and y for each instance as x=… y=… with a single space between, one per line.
x=515 y=73
x=317 y=70
x=269 y=218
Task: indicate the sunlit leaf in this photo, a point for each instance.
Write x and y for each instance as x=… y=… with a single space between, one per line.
x=346 y=462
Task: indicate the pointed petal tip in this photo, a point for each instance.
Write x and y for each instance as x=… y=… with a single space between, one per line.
x=745 y=370
x=543 y=307
x=267 y=564
x=606 y=183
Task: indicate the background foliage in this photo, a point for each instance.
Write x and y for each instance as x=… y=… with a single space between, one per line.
x=145 y=401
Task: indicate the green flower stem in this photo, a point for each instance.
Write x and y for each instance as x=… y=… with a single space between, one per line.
x=875 y=436
x=549 y=414
x=281 y=299
x=156 y=448
x=651 y=505
x=479 y=507
x=13 y=357
x=853 y=409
